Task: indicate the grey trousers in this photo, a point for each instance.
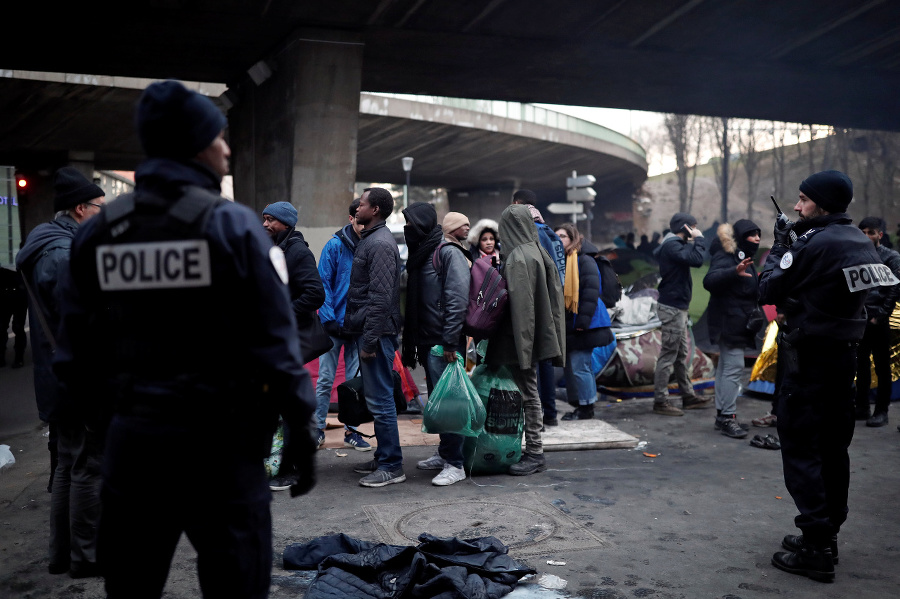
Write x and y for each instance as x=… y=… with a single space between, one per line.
x=75 y=502
x=526 y=381
x=672 y=354
x=728 y=378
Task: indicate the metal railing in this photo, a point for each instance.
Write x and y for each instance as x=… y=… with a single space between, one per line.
x=530 y=113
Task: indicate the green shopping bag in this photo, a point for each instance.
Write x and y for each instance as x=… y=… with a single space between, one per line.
x=273 y=462
x=454 y=405
x=500 y=445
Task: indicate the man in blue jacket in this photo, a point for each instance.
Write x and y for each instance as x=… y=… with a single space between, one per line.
x=335 y=264
x=676 y=258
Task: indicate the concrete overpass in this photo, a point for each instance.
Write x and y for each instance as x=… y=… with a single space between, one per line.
x=294 y=70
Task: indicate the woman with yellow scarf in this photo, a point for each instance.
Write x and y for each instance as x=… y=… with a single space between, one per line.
x=587 y=323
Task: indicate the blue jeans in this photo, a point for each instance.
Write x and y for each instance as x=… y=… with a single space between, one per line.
x=580 y=383
x=451 y=445
x=378 y=383
x=327 y=367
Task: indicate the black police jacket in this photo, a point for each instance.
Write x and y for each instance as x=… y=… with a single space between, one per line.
x=821 y=281
x=188 y=322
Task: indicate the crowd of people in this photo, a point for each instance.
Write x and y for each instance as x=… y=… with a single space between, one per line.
x=96 y=276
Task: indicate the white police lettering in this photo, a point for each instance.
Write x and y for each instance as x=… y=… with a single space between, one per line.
x=276 y=255
x=158 y=265
x=866 y=276
x=786 y=261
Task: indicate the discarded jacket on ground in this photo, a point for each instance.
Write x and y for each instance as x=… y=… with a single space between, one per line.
x=437 y=568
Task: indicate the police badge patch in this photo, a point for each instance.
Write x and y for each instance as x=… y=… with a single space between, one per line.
x=786 y=261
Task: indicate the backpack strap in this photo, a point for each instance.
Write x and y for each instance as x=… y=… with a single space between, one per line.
x=436 y=256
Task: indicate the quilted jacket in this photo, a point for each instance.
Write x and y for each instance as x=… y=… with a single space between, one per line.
x=373 y=303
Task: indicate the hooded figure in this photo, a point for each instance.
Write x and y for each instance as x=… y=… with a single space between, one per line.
x=732 y=297
x=534 y=328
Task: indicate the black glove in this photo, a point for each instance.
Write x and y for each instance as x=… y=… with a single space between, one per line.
x=332 y=328
x=305 y=462
x=784 y=233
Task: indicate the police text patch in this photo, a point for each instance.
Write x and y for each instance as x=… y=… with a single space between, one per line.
x=866 y=276
x=157 y=265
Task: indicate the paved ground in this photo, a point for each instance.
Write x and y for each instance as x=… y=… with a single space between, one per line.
x=701 y=519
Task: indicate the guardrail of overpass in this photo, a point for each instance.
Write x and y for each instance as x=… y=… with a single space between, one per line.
x=531 y=114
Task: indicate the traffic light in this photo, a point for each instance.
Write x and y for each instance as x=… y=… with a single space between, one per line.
x=21 y=182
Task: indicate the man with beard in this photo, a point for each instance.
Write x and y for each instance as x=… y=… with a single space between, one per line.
x=818 y=273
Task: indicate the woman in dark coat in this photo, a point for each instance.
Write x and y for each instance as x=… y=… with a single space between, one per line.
x=734 y=297
x=587 y=322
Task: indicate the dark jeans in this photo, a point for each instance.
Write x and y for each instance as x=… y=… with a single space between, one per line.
x=546 y=376
x=75 y=499
x=815 y=424
x=378 y=383
x=875 y=341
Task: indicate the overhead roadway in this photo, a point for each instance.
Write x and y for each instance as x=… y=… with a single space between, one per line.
x=457 y=146
x=828 y=62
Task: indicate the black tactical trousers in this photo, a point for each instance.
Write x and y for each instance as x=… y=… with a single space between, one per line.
x=815 y=423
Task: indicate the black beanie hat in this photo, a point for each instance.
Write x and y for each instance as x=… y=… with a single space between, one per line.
x=175 y=122
x=679 y=220
x=830 y=190
x=73 y=188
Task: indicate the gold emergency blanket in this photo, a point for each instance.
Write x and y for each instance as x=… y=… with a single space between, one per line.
x=764 y=367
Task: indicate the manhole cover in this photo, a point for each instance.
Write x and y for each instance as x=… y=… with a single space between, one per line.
x=517 y=526
x=525 y=522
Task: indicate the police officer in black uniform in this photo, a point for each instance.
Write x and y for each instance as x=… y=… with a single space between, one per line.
x=179 y=299
x=818 y=273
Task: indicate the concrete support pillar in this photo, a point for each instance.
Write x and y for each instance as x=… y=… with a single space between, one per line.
x=293 y=136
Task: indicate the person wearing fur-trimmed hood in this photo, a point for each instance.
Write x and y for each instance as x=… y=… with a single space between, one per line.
x=733 y=314
x=484 y=239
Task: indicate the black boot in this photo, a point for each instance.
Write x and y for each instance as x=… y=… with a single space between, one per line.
x=794 y=543
x=528 y=464
x=879 y=418
x=581 y=413
x=812 y=561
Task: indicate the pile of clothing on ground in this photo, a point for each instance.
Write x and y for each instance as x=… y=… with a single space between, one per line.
x=436 y=568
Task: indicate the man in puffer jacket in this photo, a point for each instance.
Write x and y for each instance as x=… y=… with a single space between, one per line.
x=734 y=298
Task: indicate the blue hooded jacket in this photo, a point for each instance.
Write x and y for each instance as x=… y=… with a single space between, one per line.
x=335 y=264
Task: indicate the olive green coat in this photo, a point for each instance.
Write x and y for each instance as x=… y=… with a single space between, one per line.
x=534 y=326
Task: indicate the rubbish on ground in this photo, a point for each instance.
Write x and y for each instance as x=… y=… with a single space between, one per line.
x=553 y=562
x=651 y=455
x=549 y=581
x=778 y=497
x=341 y=454
x=7 y=459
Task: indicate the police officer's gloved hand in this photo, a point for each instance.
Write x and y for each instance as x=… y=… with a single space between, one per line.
x=784 y=234
x=305 y=462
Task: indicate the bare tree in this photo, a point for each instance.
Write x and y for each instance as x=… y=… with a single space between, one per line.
x=718 y=128
x=749 y=140
x=778 y=132
x=677 y=127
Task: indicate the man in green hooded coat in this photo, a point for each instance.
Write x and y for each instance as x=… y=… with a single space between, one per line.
x=533 y=328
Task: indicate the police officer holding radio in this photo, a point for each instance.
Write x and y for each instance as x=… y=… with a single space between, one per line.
x=178 y=300
x=818 y=273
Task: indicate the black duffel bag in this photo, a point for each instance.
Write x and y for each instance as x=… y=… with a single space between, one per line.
x=352 y=407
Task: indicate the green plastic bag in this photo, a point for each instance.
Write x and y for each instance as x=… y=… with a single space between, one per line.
x=500 y=445
x=454 y=405
x=273 y=462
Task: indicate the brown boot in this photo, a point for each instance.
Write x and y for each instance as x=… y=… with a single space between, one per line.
x=692 y=402
x=666 y=409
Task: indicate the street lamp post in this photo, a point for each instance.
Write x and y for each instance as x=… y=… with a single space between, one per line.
x=407 y=167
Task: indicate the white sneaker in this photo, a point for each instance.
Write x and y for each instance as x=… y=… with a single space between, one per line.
x=435 y=462
x=449 y=475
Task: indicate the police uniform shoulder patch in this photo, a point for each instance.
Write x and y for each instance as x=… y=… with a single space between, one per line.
x=786 y=261
x=867 y=276
x=741 y=255
x=276 y=255
x=156 y=265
